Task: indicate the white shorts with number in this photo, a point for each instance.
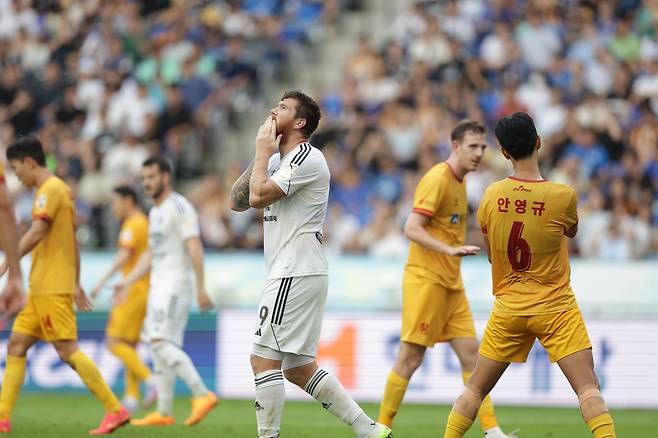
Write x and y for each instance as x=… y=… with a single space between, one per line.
x=167 y=311
x=290 y=314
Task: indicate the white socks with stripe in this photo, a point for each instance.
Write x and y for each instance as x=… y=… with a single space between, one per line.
x=326 y=389
x=270 y=396
x=180 y=363
x=165 y=379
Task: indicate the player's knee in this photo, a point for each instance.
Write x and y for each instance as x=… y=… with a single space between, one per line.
x=16 y=347
x=295 y=377
x=410 y=360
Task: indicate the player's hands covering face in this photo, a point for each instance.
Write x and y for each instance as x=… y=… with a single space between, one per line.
x=267 y=142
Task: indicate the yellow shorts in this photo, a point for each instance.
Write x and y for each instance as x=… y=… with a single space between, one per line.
x=126 y=319
x=509 y=338
x=48 y=317
x=432 y=313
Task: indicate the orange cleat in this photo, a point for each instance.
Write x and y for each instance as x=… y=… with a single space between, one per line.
x=153 y=419
x=5 y=426
x=111 y=422
x=201 y=406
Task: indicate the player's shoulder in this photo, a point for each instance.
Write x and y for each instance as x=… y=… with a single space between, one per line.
x=306 y=153
x=136 y=221
x=179 y=204
x=54 y=186
x=560 y=189
x=440 y=171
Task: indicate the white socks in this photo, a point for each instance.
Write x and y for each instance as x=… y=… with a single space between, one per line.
x=270 y=396
x=180 y=363
x=326 y=389
x=165 y=379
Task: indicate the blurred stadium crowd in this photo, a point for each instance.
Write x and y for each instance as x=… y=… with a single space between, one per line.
x=105 y=84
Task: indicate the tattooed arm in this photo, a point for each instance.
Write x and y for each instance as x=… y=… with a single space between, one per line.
x=239 y=199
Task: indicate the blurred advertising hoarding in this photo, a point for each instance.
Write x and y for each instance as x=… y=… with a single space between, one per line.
x=359 y=348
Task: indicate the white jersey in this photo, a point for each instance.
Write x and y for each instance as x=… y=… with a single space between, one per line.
x=292 y=226
x=170 y=225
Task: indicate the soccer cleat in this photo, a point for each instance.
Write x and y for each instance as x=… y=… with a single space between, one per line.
x=153 y=419
x=381 y=431
x=201 y=406
x=5 y=426
x=111 y=422
x=496 y=432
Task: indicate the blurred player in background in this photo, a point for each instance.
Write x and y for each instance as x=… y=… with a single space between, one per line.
x=12 y=298
x=524 y=220
x=125 y=321
x=54 y=287
x=434 y=305
x=289 y=178
x=174 y=253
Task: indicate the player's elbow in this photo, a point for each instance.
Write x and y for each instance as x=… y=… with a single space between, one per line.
x=237 y=207
x=410 y=231
x=256 y=201
x=571 y=232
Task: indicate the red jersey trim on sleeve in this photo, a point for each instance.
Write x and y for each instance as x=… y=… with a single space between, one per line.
x=423 y=212
x=43 y=217
x=484 y=230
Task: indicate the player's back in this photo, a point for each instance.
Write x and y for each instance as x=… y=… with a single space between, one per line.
x=54 y=259
x=525 y=222
x=170 y=224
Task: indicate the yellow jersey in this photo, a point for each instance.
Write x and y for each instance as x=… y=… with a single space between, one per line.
x=441 y=197
x=134 y=237
x=54 y=258
x=525 y=222
x=2 y=173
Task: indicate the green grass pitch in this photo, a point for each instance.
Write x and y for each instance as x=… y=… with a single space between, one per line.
x=56 y=415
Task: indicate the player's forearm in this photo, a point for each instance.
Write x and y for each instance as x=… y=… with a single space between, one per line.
x=239 y=199
x=142 y=267
x=29 y=241
x=195 y=251
x=258 y=180
x=119 y=261
x=423 y=238
x=9 y=237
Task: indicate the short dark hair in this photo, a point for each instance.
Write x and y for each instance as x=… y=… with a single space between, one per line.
x=163 y=164
x=517 y=135
x=307 y=109
x=459 y=131
x=126 y=192
x=28 y=146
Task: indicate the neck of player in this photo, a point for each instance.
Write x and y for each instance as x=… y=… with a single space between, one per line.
x=527 y=169
x=457 y=169
x=42 y=176
x=290 y=141
x=160 y=199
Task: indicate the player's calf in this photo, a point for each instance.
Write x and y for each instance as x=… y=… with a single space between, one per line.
x=595 y=413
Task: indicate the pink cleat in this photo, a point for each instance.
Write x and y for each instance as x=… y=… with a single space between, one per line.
x=111 y=422
x=5 y=426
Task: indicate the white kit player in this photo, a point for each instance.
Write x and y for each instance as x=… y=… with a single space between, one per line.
x=175 y=252
x=289 y=179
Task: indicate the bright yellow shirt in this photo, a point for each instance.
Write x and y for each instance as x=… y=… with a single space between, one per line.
x=441 y=197
x=54 y=258
x=134 y=237
x=2 y=173
x=525 y=222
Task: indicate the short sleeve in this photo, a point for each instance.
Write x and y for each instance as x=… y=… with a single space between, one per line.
x=299 y=172
x=2 y=173
x=570 y=216
x=428 y=194
x=482 y=216
x=128 y=237
x=189 y=223
x=46 y=203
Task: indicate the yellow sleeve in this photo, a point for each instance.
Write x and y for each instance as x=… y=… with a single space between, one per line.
x=482 y=216
x=46 y=203
x=570 y=215
x=427 y=198
x=2 y=173
x=128 y=236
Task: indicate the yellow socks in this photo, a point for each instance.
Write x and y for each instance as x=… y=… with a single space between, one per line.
x=92 y=378
x=602 y=426
x=132 y=385
x=130 y=359
x=486 y=413
x=396 y=386
x=457 y=425
x=11 y=384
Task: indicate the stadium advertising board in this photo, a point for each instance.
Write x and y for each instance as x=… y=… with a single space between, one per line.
x=46 y=372
x=360 y=349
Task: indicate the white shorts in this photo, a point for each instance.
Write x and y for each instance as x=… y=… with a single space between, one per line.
x=166 y=313
x=290 y=314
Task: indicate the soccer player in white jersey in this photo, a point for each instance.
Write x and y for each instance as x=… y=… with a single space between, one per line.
x=175 y=251
x=289 y=179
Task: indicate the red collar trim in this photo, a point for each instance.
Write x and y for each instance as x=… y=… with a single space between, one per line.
x=453 y=172
x=528 y=180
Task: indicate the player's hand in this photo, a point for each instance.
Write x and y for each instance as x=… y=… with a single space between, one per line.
x=12 y=299
x=82 y=301
x=267 y=142
x=96 y=290
x=205 y=303
x=120 y=293
x=463 y=251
